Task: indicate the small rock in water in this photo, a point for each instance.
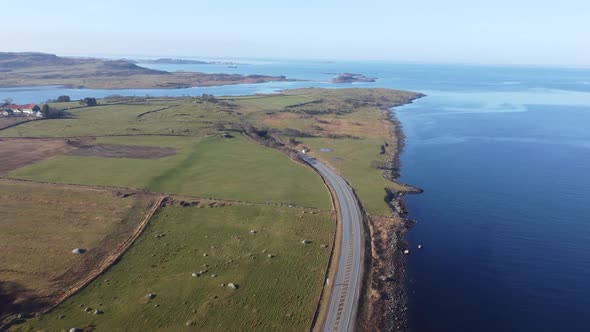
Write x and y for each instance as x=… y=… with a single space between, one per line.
x=419 y=246
x=406 y=252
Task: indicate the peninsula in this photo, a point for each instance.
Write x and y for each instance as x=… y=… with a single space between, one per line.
x=36 y=69
x=148 y=168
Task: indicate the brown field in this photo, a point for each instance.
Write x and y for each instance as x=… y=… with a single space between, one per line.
x=17 y=152
x=123 y=151
x=41 y=224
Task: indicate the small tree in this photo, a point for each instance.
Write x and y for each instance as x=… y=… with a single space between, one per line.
x=88 y=101
x=63 y=99
x=36 y=108
x=45 y=111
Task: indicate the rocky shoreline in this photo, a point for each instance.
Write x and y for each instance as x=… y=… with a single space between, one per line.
x=388 y=293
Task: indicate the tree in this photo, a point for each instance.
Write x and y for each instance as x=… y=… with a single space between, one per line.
x=7 y=101
x=36 y=108
x=45 y=111
x=88 y=101
x=63 y=99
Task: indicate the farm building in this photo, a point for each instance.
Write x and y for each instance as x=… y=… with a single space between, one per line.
x=26 y=109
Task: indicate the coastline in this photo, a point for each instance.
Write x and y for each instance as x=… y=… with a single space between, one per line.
x=387 y=298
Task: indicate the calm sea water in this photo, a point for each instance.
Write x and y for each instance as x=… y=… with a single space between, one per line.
x=503 y=155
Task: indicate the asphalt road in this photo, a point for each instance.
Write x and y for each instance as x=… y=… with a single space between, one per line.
x=345 y=288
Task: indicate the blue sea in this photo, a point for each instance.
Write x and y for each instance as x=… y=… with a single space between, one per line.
x=503 y=156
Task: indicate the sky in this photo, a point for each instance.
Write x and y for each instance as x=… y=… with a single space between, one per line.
x=530 y=32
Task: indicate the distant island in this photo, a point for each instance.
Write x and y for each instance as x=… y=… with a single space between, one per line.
x=351 y=78
x=35 y=69
x=172 y=61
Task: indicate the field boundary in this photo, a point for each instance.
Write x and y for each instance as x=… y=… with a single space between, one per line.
x=109 y=260
x=143 y=191
x=154 y=111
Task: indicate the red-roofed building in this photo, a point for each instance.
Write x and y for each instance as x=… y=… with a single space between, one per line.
x=28 y=109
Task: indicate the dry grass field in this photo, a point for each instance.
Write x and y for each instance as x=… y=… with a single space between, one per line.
x=16 y=153
x=41 y=224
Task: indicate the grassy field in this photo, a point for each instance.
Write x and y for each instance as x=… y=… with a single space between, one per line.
x=275 y=294
x=278 y=293
x=353 y=159
x=41 y=224
x=230 y=168
x=353 y=123
x=177 y=117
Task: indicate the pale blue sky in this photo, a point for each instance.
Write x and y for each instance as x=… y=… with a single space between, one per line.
x=536 y=32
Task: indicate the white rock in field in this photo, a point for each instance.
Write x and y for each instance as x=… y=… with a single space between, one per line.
x=75 y=329
x=306 y=242
x=233 y=286
x=78 y=251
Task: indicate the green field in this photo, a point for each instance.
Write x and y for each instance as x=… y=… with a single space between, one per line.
x=352 y=158
x=181 y=117
x=275 y=294
x=233 y=168
x=41 y=224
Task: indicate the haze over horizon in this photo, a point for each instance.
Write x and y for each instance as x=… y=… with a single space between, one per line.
x=457 y=31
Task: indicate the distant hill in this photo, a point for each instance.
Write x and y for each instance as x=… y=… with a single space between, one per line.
x=33 y=69
x=32 y=59
x=15 y=61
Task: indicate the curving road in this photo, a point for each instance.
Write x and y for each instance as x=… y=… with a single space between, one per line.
x=346 y=286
